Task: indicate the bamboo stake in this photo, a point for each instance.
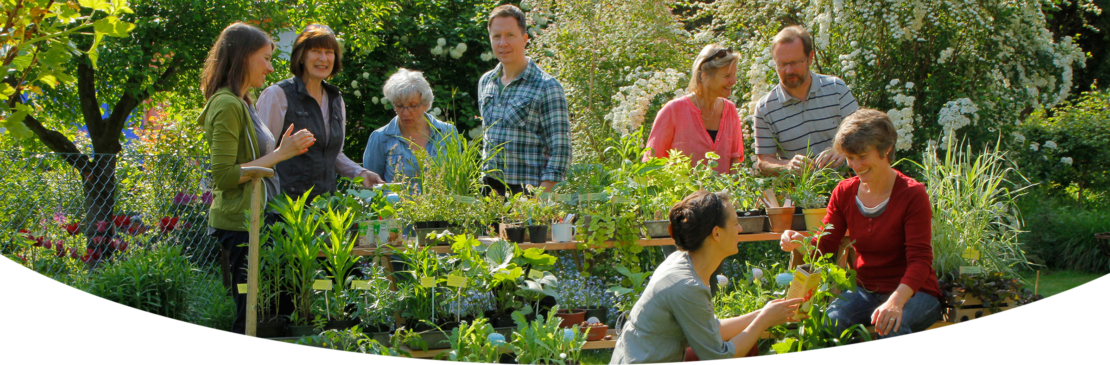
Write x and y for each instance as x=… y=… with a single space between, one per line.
x=256 y=174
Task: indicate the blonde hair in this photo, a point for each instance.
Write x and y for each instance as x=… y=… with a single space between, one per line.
x=707 y=62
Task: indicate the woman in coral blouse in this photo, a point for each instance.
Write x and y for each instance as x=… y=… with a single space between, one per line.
x=705 y=120
x=890 y=218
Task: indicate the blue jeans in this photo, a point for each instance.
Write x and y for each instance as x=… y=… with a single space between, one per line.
x=857 y=305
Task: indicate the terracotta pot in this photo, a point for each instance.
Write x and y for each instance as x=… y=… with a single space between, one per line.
x=781 y=218
x=814 y=218
x=571 y=317
x=595 y=334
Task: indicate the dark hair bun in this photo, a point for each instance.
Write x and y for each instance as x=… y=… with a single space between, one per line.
x=693 y=218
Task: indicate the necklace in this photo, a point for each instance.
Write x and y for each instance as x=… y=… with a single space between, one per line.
x=705 y=117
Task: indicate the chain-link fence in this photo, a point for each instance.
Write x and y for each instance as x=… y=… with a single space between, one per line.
x=108 y=202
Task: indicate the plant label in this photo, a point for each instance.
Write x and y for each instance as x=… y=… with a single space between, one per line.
x=804 y=286
x=360 y=284
x=564 y=198
x=465 y=199
x=242 y=288
x=456 y=281
x=970 y=270
x=971 y=254
x=321 y=284
x=594 y=197
x=428 y=282
x=545 y=196
x=622 y=200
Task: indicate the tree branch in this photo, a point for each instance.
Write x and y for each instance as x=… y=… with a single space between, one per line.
x=128 y=102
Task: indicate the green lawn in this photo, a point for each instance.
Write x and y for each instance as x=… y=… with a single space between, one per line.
x=1054 y=282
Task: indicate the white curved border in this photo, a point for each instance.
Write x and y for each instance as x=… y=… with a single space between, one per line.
x=41 y=319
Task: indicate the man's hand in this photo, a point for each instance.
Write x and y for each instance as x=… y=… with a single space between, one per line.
x=830 y=158
x=798 y=162
x=546 y=186
x=370 y=178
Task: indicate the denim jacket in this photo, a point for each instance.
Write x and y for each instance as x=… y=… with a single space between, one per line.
x=387 y=152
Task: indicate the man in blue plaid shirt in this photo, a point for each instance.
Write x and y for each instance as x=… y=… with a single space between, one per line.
x=524 y=112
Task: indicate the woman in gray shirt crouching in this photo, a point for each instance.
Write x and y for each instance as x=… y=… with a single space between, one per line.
x=676 y=309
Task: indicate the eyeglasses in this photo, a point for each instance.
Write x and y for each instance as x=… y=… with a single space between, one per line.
x=399 y=109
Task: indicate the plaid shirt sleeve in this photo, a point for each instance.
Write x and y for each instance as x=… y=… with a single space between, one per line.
x=555 y=127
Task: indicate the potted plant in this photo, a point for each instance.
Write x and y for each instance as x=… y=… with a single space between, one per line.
x=745 y=197
x=811 y=194
x=544 y=342
x=654 y=209
x=296 y=236
x=475 y=342
x=594 y=331
x=271 y=267
x=375 y=304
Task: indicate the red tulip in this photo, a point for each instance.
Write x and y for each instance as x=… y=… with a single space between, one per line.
x=122 y=247
x=38 y=241
x=97 y=241
x=167 y=224
x=73 y=253
x=101 y=226
x=121 y=221
x=73 y=228
x=48 y=244
x=59 y=250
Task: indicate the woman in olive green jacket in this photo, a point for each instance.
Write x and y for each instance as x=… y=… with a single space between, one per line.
x=239 y=60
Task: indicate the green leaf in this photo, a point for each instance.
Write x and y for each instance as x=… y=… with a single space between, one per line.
x=48 y=80
x=22 y=62
x=113 y=26
x=93 y=54
x=784 y=346
x=102 y=5
x=499 y=254
x=14 y=122
x=6 y=90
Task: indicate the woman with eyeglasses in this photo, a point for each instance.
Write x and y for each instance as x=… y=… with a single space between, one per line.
x=675 y=310
x=307 y=101
x=390 y=149
x=704 y=120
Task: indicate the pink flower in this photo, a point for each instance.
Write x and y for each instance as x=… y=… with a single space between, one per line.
x=101 y=226
x=206 y=198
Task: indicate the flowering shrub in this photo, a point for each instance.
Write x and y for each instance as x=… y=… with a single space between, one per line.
x=595 y=48
x=1070 y=146
x=935 y=66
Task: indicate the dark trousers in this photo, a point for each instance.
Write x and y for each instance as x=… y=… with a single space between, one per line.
x=233 y=245
x=493 y=185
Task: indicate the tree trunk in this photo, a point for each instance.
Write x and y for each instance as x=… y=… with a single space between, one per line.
x=98 y=180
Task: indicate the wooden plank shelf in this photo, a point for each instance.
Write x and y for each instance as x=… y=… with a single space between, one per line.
x=368 y=250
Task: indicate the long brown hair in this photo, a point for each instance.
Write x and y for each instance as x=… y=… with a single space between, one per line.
x=229 y=58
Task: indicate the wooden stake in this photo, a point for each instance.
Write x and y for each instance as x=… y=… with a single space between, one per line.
x=256 y=174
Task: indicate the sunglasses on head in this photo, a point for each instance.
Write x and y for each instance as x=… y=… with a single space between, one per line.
x=311 y=27
x=720 y=53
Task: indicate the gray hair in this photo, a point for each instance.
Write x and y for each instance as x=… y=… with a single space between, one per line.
x=710 y=67
x=405 y=83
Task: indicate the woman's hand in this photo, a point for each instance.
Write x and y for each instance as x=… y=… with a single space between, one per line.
x=370 y=178
x=887 y=317
x=777 y=312
x=293 y=144
x=790 y=240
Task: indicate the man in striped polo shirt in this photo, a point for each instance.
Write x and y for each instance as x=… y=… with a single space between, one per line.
x=796 y=121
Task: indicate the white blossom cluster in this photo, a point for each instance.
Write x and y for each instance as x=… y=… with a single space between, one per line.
x=1066 y=160
x=953 y=116
x=633 y=101
x=1022 y=64
x=455 y=52
x=903 y=118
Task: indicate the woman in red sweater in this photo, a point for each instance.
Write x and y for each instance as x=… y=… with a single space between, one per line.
x=890 y=219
